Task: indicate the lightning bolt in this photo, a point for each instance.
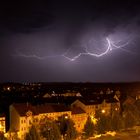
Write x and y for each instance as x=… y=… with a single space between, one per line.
x=34 y=56
x=110 y=46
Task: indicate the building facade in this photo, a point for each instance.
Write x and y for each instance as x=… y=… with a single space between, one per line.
x=2 y=123
x=23 y=115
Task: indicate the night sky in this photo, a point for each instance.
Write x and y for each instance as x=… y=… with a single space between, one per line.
x=70 y=41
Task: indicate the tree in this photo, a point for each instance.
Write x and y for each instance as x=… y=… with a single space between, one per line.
x=130 y=115
x=103 y=123
x=15 y=136
x=32 y=134
x=49 y=130
x=62 y=124
x=89 y=128
x=137 y=105
x=2 y=137
x=129 y=120
x=67 y=129
x=117 y=122
x=71 y=132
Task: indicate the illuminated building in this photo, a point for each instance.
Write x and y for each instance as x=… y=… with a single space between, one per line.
x=23 y=115
x=90 y=106
x=2 y=123
x=129 y=100
x=87 y=106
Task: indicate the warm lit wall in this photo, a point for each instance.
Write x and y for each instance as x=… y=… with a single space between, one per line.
x=109 y=107
x=23 y=123
x=54 y=115
x=26 y=122
x=14 y=119
x=19 y=123
x=79 y=120
x=106 y=106
x=2 y=124
x=89 y=109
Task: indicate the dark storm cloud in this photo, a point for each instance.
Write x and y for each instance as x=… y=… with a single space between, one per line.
x=23 y=16
x=29 y=16
x=50 y=28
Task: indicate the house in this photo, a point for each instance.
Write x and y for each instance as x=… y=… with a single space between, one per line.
x=23 y=115
x=137 y=96
x=110 y=105
x=52 y=111
x=2 y=123
x=91 y=106
x=87 y=106
x=129 y=100
x=47 y=95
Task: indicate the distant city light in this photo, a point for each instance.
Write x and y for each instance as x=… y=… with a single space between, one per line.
x=8 y=88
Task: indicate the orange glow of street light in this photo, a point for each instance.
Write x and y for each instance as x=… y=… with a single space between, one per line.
x=103 y=111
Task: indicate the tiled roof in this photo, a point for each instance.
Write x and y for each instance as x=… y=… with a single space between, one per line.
x=98 y=101
x=129 y=100
x=23 y=108
x=48 y=108
x=77 y=110
x=111 y=100
x=90 y=102
x=60 y=108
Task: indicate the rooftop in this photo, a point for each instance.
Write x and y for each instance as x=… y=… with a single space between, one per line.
x=77 y=110
x=23 y=108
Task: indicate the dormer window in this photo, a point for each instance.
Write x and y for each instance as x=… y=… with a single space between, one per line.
x=28 y=113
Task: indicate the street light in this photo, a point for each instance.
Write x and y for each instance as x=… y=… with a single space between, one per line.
x=66 y=117
x=103 y=111
x=116 y=108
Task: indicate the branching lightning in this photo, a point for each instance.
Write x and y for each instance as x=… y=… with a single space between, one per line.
x=110 y=47
x=34 y=56
x=109 y=44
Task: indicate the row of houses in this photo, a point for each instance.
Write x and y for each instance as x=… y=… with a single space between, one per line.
x=23 y=115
